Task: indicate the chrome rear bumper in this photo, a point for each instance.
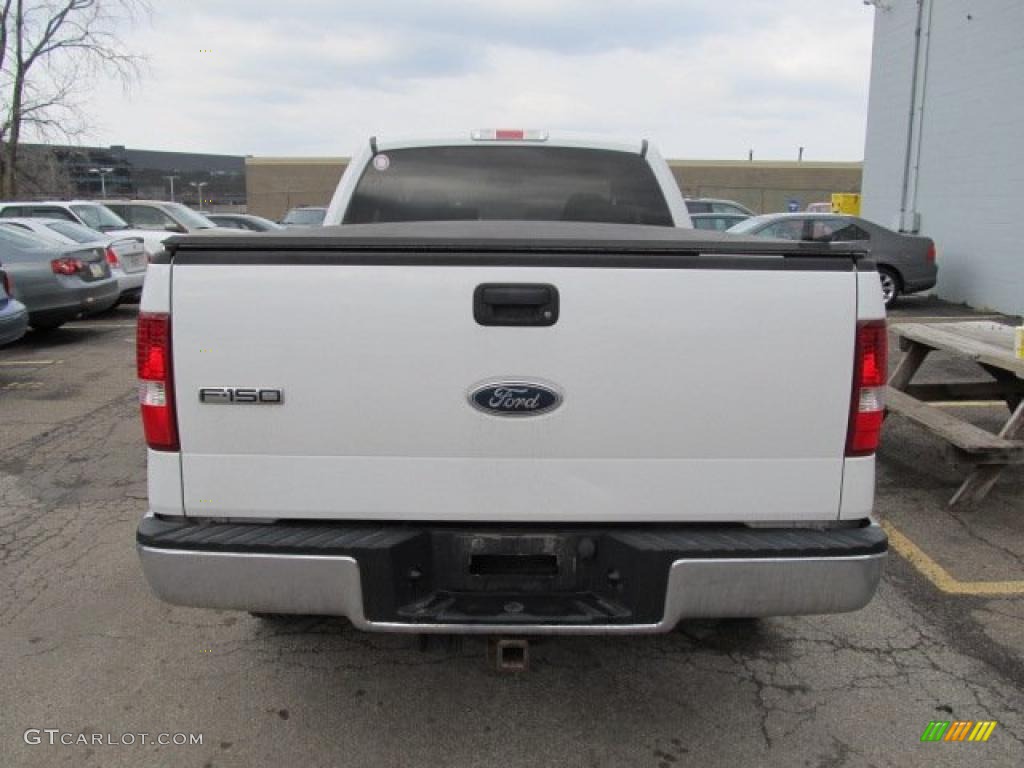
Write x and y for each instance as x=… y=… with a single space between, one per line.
x=319 y=584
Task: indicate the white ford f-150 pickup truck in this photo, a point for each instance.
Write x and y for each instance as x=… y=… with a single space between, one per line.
x=512 y=394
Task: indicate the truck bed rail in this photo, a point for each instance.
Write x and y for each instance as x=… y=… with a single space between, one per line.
x=488 y=242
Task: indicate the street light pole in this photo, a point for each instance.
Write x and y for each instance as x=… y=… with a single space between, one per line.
x=171 y=179
x=199 y=188
x=103 y=178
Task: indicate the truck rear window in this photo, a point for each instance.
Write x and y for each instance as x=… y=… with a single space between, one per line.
x=508 y=183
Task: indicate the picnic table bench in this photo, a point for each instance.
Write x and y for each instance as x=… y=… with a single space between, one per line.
x=990 y=346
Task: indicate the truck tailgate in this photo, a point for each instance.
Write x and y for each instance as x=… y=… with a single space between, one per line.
x=718 y=390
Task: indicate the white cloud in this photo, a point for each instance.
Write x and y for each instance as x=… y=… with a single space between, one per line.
x=701 y=80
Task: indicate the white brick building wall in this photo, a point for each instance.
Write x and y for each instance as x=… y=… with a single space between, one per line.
x=965 y=175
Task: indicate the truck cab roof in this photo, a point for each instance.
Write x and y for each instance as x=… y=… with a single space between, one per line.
x=511 y=137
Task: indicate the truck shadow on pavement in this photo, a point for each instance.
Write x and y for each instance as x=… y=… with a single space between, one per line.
x=722 y=635
x=794 y=687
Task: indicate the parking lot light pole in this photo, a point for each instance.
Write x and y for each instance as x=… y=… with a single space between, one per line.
x=103 y=179
x=171 y=179
x=199 y=188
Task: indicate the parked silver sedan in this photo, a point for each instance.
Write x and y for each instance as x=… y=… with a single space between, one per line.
x=160 y=216
x=126 y=255
x=13 y=315
x=56 y=284
x=906 y=263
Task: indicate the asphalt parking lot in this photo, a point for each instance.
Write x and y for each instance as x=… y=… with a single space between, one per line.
x=85 y=648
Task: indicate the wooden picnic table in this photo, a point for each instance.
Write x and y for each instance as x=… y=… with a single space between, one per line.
x=990 y=346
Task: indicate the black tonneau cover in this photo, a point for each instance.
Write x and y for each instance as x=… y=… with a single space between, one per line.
x=507 y=243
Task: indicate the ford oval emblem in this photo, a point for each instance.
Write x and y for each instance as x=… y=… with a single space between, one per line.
x=515 y=398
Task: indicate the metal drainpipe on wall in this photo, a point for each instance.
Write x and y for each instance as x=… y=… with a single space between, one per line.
x=909 y=218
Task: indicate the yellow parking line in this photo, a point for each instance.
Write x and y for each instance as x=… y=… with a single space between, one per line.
x=942 y=578
x=972 y=404
x=899 y=319
x=28 y=362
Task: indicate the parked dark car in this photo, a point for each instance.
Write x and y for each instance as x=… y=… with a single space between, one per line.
x=906 y=263
x=713 y=205
x=244 y=221
x=13 y=315
x=56 y=284
x=718 y=222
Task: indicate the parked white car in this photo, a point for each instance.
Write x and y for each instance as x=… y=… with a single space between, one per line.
x=126 y=255
x=88 y=213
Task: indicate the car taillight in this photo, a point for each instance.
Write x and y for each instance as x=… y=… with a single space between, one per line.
x=66 y=266
x=8 y=283
x=930 y=256
x=867 y=405
x=112 y=259
x=156 y=392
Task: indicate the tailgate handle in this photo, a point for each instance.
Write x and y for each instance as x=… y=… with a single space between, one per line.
x=518 y=304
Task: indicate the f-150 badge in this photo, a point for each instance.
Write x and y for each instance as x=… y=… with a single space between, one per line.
x=514 y=398
x=241 y=395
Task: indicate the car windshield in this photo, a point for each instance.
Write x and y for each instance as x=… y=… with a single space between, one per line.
x=716 y=221
x=268 y=224
x=75 y=232
x=311 y=216
x=188 y=217
x=99 y=217
x=225 y=221
x=20 y=238
x=749 y=225
x=731 y=208
x=509 y=183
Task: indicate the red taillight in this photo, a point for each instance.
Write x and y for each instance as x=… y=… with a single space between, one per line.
x=930 y=256
x=66 y=266
x=156 y=392
x=112 y=259
x=8 y=283
x=867 y=405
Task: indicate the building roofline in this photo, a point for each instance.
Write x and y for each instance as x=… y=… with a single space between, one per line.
x=789 y=164
x=296 y=160
x=681 y=163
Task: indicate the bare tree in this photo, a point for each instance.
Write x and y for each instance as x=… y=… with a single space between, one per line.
x=50 y=52
x=41 y=173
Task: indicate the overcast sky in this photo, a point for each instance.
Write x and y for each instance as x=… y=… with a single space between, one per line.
x=702 y=79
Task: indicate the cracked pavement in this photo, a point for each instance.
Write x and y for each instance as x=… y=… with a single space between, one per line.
x=87 y=649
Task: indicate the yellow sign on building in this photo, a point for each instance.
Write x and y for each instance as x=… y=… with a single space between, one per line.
x=846 y=202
